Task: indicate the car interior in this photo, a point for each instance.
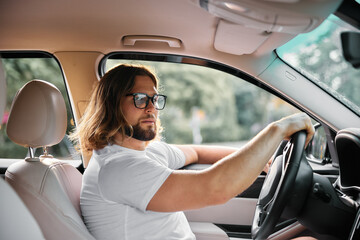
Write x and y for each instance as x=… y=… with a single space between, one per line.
x=229 y=67
x=13 y=209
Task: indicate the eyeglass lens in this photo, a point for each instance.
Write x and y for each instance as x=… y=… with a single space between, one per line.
x=142 y=100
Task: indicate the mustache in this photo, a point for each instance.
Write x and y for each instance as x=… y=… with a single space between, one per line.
x=149 y=116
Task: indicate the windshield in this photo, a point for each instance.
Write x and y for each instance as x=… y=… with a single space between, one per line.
x=318 y=55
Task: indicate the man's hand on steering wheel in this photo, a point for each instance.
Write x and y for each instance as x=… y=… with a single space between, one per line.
x=295 y=123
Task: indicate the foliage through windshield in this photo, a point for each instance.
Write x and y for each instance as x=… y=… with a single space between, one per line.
x=318 y=55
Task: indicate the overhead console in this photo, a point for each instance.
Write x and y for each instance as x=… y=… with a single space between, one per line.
x=245 y=25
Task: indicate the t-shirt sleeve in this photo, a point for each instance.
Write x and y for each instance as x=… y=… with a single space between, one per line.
x=133 y=182
x=172 y=155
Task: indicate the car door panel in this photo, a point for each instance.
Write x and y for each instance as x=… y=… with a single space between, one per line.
x=238 y=211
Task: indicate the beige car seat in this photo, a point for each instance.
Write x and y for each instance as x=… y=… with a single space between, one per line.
x=49 y=188
x=16 y=221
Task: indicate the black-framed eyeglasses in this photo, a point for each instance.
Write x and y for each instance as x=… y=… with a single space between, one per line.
x=141 y=100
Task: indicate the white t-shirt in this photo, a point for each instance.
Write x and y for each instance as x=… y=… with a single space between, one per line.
x=117 y=187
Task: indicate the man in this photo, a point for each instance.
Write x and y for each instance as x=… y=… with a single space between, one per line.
x=131 y=188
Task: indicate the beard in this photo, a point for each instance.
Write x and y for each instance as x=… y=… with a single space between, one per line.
x=140 y=133
x=143 y=134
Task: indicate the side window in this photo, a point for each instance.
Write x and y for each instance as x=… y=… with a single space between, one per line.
x=19 y=69
x=208 y=106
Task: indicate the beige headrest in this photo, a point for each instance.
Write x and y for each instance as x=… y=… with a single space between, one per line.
x=38 y=115
x=2 y=92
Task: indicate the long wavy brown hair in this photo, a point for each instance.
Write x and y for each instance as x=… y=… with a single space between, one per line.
x=103 y=117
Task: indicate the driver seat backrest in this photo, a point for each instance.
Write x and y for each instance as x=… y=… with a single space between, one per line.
x=14 y=214
x=49 y=188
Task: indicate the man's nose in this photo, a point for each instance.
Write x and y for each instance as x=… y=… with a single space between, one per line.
x=150 y=107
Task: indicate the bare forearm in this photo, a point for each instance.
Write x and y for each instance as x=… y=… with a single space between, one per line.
x=241 y=168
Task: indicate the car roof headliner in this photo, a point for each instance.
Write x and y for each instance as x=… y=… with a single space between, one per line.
x=100 y=26
x=97 y=25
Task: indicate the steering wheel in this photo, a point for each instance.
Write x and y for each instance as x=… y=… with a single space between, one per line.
x=278 y=187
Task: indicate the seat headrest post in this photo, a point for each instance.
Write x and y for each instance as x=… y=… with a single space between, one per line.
x=45 y=151
x=31 y=152
x=32 y=157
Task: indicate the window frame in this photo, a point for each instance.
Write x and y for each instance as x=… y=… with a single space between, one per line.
x=172 y=58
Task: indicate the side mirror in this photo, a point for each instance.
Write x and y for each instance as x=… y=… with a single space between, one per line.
x=350 y=42
x=317 y=150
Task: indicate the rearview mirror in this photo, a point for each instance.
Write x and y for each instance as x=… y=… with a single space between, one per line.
x=350 y=42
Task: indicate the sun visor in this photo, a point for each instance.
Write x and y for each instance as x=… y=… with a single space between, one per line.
x=252 y=22
x=237 y=39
